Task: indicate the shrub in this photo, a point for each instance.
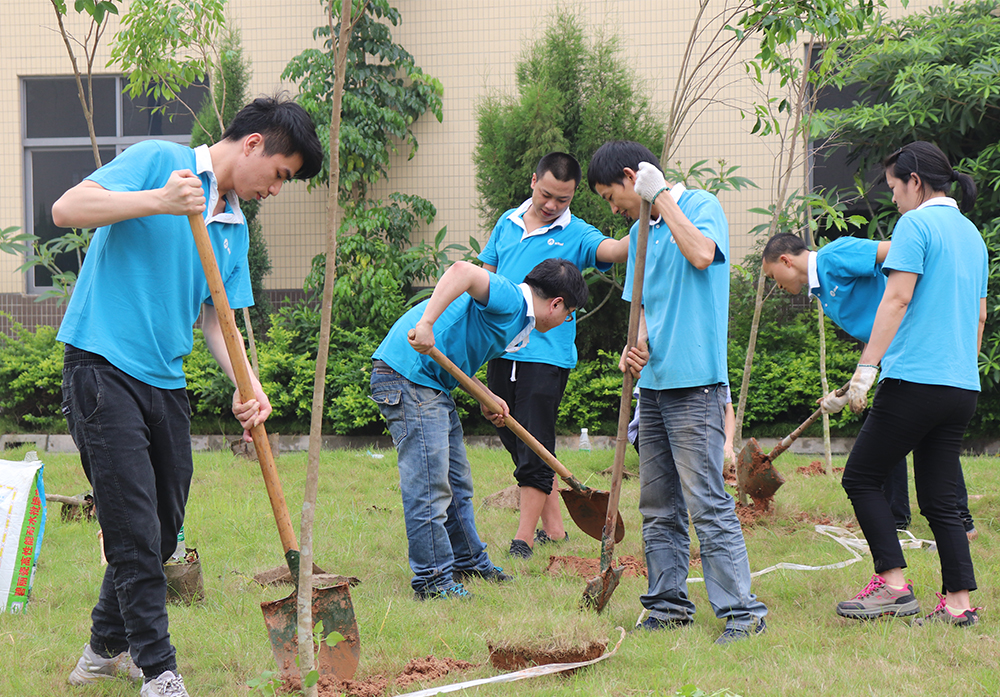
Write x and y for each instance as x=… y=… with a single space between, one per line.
x=31 y=374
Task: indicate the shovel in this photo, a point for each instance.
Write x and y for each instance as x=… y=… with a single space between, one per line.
x=587 y=507
x=331 y=605
x=599 y=589
x=755 y=473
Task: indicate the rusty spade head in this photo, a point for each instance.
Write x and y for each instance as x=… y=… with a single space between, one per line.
x=755 y=473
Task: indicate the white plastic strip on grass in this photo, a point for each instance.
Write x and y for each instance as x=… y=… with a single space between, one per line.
x=846 y=539
x=532 y=672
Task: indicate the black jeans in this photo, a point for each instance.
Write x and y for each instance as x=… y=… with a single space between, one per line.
x=135 y=445
x=928 y=420
x=533 y=398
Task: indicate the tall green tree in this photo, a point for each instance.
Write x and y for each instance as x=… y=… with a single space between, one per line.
x=934 y=76
x=574 y=92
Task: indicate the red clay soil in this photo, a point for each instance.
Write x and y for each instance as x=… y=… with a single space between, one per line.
x=418 y=670
x=751 y=515
x=509 y=658
x=812 y=469
x=804 y=517
x=589 y=568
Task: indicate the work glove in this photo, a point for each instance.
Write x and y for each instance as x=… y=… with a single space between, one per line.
x=861 y=382
x=833 y=403
x=649 y=181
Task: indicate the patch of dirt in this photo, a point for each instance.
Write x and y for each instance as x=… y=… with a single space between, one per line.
x=625 y=473
x=729 y=473
x=321 y=579
x=509 y=498
x=418 y=670
x=590 y=568
x=804 y=517
x=838 y=469
x=695 y=557
x=751 y=515
x=510 y=658
x=812 y=469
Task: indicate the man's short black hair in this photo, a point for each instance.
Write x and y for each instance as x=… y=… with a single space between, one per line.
x=607 y=165
x=558 y=278
x=287 y=129
x=783 y=243
x=563 y=166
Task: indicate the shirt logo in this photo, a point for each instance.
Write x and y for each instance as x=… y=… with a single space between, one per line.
x=833 y=292
x=225 y=243
x=553 y=242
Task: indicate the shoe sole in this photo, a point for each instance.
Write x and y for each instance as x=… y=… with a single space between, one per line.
x=904 y=610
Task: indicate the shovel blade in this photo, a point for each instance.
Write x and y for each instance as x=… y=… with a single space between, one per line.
x=589 y=509
x=331 y=605
x=755 y=472
x=600 y=588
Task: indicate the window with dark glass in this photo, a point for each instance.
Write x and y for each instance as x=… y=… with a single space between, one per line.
x=57 y=149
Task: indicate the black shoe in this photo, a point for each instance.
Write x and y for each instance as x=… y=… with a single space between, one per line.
x=733 y=634
x=542 y=537
x=494 y=574
x=652 y=624
x=520 y=549
x=456 y=590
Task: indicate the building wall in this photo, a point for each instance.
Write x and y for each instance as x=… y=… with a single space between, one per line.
x=472 y=48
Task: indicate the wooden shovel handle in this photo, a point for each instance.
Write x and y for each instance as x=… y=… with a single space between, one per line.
x=787 y=441
x=237 y=356
x=486 y=399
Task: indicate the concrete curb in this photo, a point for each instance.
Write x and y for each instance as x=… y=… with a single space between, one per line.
x=63 y=443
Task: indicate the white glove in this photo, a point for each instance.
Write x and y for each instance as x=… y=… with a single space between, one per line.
x=649 y=181
x=833 y=403
x=861 y=382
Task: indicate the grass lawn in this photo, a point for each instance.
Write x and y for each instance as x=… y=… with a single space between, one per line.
x=222 y=642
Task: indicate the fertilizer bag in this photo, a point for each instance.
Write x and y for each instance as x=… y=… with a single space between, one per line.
x=22 y=521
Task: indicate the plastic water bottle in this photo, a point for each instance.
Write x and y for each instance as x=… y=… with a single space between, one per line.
x=584 y=440
x=180 y=550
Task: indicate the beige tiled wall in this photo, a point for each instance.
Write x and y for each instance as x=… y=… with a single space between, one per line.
x=472 y=48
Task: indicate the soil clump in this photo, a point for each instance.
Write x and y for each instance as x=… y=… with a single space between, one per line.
x=418 y=670
x=511 y=658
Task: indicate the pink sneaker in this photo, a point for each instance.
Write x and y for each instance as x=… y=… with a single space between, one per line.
x=942 y=614
x=878 y=599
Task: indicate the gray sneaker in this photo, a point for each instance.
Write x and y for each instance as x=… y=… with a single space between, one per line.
x=877 y=600
x=942 y=615
x=167 y=684
x=92 y=668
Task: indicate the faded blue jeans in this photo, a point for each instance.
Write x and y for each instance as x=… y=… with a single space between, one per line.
x=681 y=435
x=434 y=477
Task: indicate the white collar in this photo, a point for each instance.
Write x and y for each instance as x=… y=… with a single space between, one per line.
x=938 y=201
x=813 y=274
x=203 y=162
x=517 y=217
x=521 y=340
x=675 y=193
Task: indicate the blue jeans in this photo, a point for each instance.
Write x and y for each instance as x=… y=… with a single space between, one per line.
x=434 y=478
x=681 y=436
x=135 y=446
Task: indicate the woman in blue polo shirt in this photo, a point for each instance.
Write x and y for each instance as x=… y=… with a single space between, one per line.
x=927 y=335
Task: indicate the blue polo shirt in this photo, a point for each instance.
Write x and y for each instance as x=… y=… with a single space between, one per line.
x=686 y=308
x=515 y=252
x=936 y=343
x=851 y=284
x=142 y=286
x=467 y=332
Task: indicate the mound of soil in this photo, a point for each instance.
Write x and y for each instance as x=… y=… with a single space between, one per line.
x=804 y=517
x=751 y=515
x=510 y=658
x=812 y=469
x=589 y=568
x=418 y=670
x=509 y=498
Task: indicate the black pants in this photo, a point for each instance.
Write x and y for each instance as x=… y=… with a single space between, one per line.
x=533 y=398
x=135 y=446
x=896 y=490
x=929 y=421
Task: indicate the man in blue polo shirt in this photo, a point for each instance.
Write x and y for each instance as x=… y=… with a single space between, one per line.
x=846 y=277
x=532 y=382
x=473 y=315
x=684 y=321
x=127 y=329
